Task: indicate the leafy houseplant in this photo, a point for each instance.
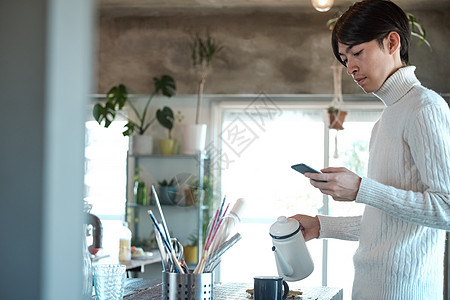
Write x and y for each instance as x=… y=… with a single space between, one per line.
x=166 y=118
x=191 y=249
x=117 y=98
x=167 y=183
x=203 y=51
x=337 y=118
x=167 y=191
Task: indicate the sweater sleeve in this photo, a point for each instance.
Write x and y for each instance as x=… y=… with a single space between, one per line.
x=343 y=228
x=428 y=138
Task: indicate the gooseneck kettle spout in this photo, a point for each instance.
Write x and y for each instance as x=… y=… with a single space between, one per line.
x=281 y=261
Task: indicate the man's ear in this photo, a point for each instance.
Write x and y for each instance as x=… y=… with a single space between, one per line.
x=393 y=42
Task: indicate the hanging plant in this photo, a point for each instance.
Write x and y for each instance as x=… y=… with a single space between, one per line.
x=337 y=118
x=335 y=113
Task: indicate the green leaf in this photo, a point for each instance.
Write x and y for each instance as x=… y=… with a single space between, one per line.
x=165 y=85
x=104 y=113
x=204 y=49
x=131 y=128
x=118 y=96
x=97 y=112
x=165 y=117
x=332 y=22
x=417 y=30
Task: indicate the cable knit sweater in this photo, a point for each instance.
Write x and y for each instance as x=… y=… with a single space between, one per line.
x=407 y=195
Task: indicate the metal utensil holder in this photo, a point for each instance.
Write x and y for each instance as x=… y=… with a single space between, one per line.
x=187 y=286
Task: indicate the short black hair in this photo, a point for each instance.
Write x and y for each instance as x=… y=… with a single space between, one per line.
x=370 y=20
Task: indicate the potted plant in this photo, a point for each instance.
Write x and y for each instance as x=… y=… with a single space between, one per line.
x=191 y=249
x=203 y=51
x=336 y=117
x=117 y=98
x=167 y=191
x=166 y=118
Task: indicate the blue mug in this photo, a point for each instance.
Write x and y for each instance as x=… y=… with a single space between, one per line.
x=270 y=288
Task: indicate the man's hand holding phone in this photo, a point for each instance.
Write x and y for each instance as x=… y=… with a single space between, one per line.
x=340 y=183
x=303 y=168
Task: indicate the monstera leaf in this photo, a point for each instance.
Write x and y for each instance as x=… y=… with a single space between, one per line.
x=116 y=97
x=165 y=85
x=105 y=113
x=165 y=118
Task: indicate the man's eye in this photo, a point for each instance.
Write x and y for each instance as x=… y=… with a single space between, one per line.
x=357 y=53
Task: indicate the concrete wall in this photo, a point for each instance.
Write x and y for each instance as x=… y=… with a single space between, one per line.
x=278 y=52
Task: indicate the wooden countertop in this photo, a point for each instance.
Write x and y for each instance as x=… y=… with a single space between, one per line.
x=143 y=289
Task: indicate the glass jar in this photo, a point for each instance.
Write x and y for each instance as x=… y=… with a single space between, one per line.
x=125 y=243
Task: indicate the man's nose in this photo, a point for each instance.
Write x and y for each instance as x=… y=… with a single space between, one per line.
x=351 y=67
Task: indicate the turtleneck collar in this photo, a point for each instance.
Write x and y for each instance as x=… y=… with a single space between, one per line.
x=397 y=85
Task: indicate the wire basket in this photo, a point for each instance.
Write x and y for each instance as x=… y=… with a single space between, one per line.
x=188 y=286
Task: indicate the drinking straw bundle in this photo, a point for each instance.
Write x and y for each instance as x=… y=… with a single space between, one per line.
x=217 y=242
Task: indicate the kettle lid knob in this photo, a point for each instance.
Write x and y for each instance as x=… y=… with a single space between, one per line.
x=282 y=219
x=284 y=227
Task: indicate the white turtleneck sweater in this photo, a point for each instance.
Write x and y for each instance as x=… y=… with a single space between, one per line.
x=407 y=195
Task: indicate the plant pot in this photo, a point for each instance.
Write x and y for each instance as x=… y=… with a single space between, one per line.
x=168 y=146
x=194 y=138
x=191 y=254
x=141 y=144
x=167 y=194
x=337 y=120
x=190 y=197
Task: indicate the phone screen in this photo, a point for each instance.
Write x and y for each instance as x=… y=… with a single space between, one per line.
x=302 y=168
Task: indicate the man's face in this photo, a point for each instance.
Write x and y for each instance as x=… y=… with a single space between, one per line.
x=368 y=63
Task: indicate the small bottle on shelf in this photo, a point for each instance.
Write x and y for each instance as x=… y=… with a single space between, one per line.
x=140 y=192
x=125 y=243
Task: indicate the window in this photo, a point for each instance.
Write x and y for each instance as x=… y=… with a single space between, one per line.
x=256 y=166
x=105 y=178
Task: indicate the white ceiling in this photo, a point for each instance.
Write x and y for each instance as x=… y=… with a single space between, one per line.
x=159 y=7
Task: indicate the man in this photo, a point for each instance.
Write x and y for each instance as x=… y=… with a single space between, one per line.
x=407 y=190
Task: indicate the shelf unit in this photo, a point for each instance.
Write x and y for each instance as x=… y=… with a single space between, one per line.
x=182 y=221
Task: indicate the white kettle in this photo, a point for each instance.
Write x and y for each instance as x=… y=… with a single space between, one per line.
x=291 y=254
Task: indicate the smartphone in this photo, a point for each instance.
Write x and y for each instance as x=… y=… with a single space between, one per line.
x=302 y=168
